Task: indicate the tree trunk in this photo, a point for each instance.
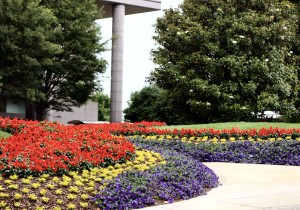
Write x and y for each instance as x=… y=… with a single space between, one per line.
x=41 y=112
x=30 y=112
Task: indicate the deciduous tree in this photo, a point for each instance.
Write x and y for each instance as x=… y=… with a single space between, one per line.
x=51 y=52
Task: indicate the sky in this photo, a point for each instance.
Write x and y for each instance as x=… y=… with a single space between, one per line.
x=138 y=43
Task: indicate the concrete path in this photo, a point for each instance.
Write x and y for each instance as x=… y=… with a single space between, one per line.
x=247 y=187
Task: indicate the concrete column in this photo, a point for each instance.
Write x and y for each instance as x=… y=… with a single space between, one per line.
x=118 y=11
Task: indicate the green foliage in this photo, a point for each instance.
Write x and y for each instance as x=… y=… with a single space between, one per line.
x=25 y=46
x=222 y=60
x=103 y=105
x=151 y=104
x=49 y=52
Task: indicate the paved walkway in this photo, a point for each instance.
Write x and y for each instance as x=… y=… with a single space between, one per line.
x=247 y=187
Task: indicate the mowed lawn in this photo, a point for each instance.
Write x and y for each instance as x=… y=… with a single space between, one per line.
x=4 y=134
x=241 y=125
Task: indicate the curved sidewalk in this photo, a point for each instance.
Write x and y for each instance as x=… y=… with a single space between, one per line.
x=247 y=187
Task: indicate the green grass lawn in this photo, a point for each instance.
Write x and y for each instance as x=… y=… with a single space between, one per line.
x=4 y=134
x=241 y=125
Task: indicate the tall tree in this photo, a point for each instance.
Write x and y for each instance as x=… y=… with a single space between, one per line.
x=68 y=76
x=25 y=28
x=222 y=60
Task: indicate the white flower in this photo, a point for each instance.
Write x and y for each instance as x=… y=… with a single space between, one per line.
x=186 y=32
x=191 y=90
x=208 y=104
x=231 y=97
x=291 y=52
x=241 y=36
x=178 y=33
x=285 y=28
x=234 y=42
x=267 y=60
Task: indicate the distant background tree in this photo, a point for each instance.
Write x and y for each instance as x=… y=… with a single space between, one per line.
x=151 y=104
x=224 y=60
x=53 y=64
x=103 y=105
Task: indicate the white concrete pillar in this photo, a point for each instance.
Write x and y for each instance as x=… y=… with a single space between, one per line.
x=116 y=95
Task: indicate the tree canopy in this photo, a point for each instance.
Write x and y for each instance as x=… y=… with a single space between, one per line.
x=151 y=104
x=48 y=54
x=103 y=105
x=225 y=60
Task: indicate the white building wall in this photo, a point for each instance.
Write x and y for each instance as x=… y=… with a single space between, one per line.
x=87 y=112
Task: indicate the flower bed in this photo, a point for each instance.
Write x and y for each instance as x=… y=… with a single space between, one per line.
x=70 y=191
x=101 y=161
x=182 y=177
x=37 y=148
x=284 y=152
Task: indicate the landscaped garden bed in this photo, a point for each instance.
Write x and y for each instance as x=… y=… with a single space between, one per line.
x=124 y=165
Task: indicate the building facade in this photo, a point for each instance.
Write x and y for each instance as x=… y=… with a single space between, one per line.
x=117 y=9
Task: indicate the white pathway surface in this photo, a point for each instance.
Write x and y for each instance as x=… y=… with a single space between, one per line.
x=247 y=187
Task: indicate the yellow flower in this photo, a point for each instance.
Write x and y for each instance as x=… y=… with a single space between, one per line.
x=2 y=204
x=71 y=206
x=8 y=181
x=17 y=204
x=64 y=183
x=58 y=191
x=13 y=177
x=45 y=199
x=42 y=179
x=50 y=186
x=71 y=196
x=84 y=204
x=4 y=195
x=13 y=186
x=35 y=185
x=45 y=176
x=79 y=183
x=32 y=197
x=25 y=190
x=84 y=196
x=43 y=192
x=18 y=196
x=26 y=181
x=59 y=201
x=73 y=189
x=55 y=179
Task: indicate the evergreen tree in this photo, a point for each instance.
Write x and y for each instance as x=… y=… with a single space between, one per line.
x=224 y=60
